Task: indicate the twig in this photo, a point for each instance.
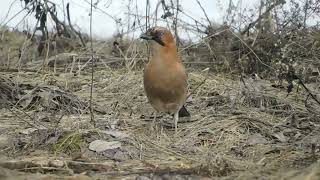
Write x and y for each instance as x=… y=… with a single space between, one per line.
x=72 y=28
x=205 y=14
x=47 y=50
x=92 y=66
x=203 y=39
x=25 y=16
x=175 y=22
x=23 y=119
x=196 y=21
x=200 y=84
x=156 y=13
x=308 y=91
x=9 y=9
x=252 y=51
x=101 y=10
x=147 y=19
x=56 y=20
x=24 y=43
x=14 y=16
x=246 y=30
x=147 y=14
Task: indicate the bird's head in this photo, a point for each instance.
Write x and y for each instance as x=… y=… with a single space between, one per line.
x=159 y=36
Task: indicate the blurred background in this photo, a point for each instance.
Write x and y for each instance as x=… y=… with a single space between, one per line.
x=243 y=36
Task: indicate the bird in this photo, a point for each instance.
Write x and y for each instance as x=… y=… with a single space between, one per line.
x=164 y=76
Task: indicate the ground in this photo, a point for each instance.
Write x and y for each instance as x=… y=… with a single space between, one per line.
x=239 y=129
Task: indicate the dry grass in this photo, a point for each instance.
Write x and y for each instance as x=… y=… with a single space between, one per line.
x=234 y=132
x=238 y=129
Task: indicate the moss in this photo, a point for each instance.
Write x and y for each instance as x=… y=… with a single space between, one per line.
x=69 y=143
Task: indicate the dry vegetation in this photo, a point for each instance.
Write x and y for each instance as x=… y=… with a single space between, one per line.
x=242 y=126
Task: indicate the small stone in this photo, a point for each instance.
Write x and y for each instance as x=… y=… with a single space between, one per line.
x=56 y=163
x=101 y=145
x=143 y=178
x=256 y=139
x=4 y=142
x=28 y=131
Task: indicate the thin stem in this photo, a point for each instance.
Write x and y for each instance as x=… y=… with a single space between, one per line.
x=92 y=66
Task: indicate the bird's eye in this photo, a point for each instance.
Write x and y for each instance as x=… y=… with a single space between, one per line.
x=160 y=34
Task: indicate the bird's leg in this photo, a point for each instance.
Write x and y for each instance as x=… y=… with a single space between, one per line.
x=154 y=120
x=176 y=118
x=161 y=125
x=155 y=117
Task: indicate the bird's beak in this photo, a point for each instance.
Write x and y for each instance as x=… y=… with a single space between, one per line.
x=145 y=36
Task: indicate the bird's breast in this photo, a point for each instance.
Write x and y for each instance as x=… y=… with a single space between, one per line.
x=165 y=85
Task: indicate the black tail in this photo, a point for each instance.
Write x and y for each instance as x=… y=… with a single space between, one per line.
x=183 y=112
